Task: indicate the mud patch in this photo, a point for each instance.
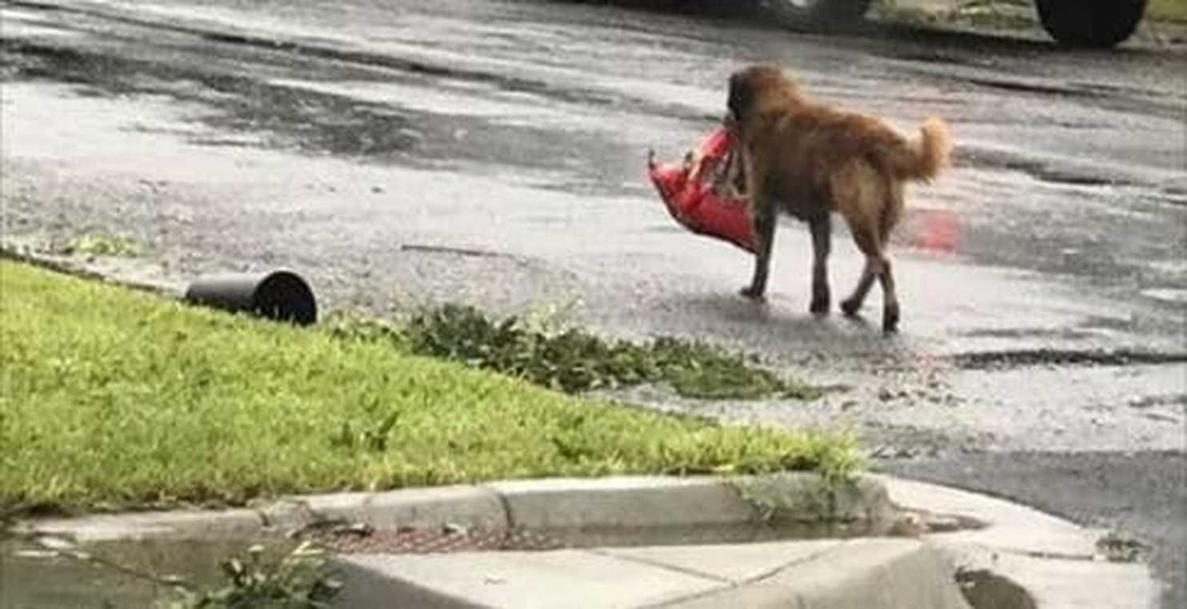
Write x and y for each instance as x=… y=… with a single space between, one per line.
x=449 y=539
x=988 y=158
x=1152 y=401
x=991 y=360
x=454 y=251
x=423 y=541
x=1023 y=333
x=984 y=589
x=1031 y=86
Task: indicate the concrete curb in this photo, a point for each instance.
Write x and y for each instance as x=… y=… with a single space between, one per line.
x=1055 y=562
x=1024 y=559
x=627 y=502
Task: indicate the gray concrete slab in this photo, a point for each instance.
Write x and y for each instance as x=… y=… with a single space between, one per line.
x=538 y=580
x=1073 y=584
x=735 y=563
x=859 y=574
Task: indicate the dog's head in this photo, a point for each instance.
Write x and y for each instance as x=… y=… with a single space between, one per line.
x=750 y=86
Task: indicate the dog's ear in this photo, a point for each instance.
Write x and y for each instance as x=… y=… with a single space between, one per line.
x=740 y=96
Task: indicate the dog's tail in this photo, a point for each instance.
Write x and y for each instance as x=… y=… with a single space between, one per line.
x=923 y=159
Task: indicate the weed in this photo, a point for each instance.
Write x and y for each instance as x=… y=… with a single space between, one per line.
x=298 y=580
x=373 y=439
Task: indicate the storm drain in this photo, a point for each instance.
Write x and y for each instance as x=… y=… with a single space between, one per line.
x=422 y=541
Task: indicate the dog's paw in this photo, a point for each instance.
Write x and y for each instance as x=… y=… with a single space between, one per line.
x=850 y=308
x=890 y=317
x=751 y=293
x=819 y=306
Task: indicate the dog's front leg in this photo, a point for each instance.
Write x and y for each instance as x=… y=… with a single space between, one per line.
x=762 y=216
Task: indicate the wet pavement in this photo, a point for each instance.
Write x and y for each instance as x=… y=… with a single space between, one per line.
x=493 y=152
x=111 y=575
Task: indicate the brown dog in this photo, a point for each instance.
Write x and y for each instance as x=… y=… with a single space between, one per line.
x=808 y=160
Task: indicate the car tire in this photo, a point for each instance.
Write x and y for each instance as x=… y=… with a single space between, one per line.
x=1090 y=23
x=818 y=13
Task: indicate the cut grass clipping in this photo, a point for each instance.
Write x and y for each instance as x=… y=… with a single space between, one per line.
x=115 y=399
x=99 y=244
x=573 y=360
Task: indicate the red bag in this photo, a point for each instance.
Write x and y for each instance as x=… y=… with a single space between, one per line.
x=697 y=192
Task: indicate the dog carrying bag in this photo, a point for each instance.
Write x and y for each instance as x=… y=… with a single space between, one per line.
x=699 y=195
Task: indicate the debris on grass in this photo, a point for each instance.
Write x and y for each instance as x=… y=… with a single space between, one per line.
x=100 y=244
x=1118 y=547
x=574 y=360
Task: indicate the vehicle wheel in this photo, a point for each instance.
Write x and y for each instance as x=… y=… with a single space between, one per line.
x=818 y=13
x=1090 y=23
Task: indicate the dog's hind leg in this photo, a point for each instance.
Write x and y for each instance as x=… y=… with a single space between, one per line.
x=821 y=228
x=891 y=212
x=856 y=192
x=867 y=242
x=871 y=205
x=890 y=308
x=850 y=306
x=877 y=266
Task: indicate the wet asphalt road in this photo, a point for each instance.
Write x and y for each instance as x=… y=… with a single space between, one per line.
x=492 y=152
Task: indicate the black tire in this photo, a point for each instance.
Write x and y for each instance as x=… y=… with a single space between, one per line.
x=818 y=13
x=1090 y=23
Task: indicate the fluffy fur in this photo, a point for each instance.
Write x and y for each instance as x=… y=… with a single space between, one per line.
x=808 y=159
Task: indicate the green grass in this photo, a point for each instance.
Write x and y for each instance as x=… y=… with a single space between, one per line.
x=1167 y=10
x=113 y=399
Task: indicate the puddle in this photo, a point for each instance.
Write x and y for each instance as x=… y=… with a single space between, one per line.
x=108 y=575
x=360 y=117
x=1170 y=295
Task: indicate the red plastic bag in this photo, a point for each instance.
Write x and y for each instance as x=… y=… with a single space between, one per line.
x=699 y=193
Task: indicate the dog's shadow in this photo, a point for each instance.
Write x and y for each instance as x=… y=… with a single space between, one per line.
x=783 y=321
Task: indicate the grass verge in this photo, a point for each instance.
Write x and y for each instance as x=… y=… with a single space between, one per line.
x=113 y=399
